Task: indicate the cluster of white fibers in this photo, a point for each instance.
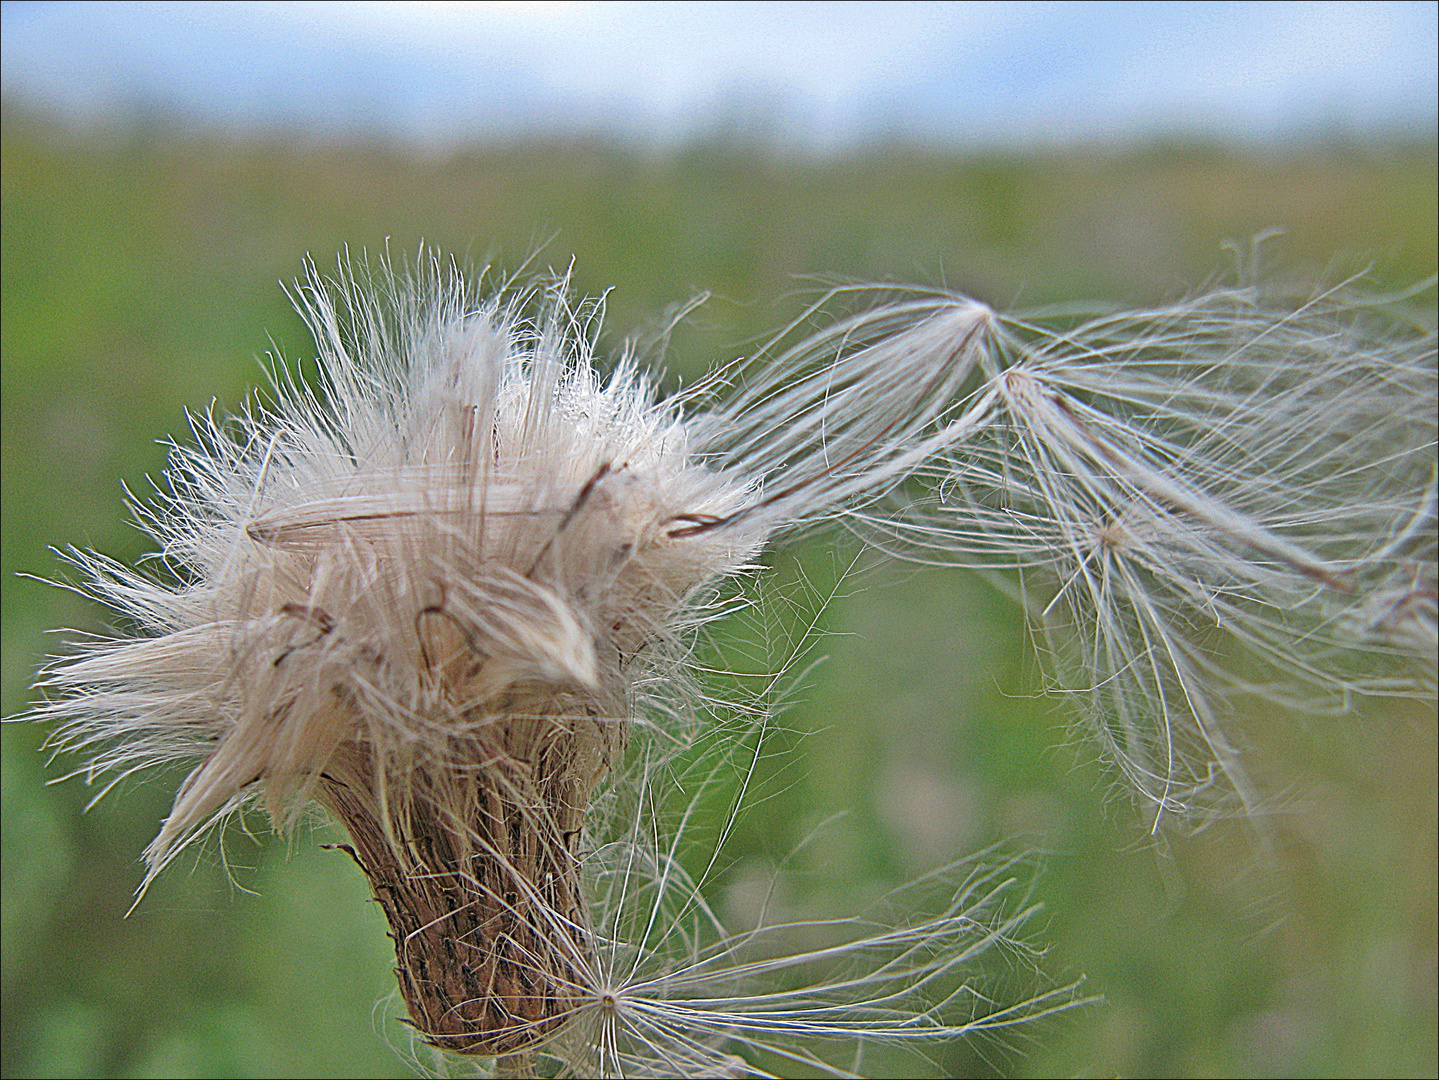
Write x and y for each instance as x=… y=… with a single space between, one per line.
x=448 y=593
x=1235 y=494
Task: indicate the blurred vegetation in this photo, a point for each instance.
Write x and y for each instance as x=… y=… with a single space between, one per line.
x=140 y=271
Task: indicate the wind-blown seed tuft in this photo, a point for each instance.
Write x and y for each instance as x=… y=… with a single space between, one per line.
x=449 y=592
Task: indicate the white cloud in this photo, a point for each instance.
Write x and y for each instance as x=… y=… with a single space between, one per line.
x=958 y=72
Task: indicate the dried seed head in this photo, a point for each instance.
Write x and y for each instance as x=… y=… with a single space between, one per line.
x=420 y=603
x=421 y=593
x=435 y=592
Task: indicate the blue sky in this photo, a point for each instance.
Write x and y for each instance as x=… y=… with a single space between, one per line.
x=811 y=76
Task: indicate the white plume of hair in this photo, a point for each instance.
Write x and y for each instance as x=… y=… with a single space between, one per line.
x=1229 y=495
x=448 y=593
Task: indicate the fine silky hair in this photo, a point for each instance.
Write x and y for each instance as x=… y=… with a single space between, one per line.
x=450 y=590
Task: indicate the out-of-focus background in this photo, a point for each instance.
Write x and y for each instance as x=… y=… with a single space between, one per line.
x=166 y=167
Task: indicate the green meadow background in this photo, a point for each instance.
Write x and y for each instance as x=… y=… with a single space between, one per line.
x=141 y=276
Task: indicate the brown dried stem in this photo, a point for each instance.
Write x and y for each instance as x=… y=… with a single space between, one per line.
x=475 y=860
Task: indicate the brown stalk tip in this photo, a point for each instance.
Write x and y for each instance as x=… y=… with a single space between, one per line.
x=479 y=878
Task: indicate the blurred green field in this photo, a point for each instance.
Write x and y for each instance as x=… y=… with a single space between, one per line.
x=140 y=277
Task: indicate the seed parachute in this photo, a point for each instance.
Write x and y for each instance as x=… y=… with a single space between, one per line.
x=450 y=591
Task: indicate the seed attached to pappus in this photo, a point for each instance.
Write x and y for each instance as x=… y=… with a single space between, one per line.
x=424 y=594
x=450 y=592
x=430 y=621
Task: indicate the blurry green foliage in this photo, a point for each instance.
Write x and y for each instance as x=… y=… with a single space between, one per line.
x=140 y=273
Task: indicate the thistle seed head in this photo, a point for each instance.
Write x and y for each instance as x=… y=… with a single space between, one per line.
x=421 y=592
x=449 y=589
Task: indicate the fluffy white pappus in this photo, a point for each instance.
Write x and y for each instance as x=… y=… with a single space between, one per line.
x=449 y=590
x=466 y=509
x=462 y=510
x=429 y=591
x=667 y=990
x=1230 y=496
